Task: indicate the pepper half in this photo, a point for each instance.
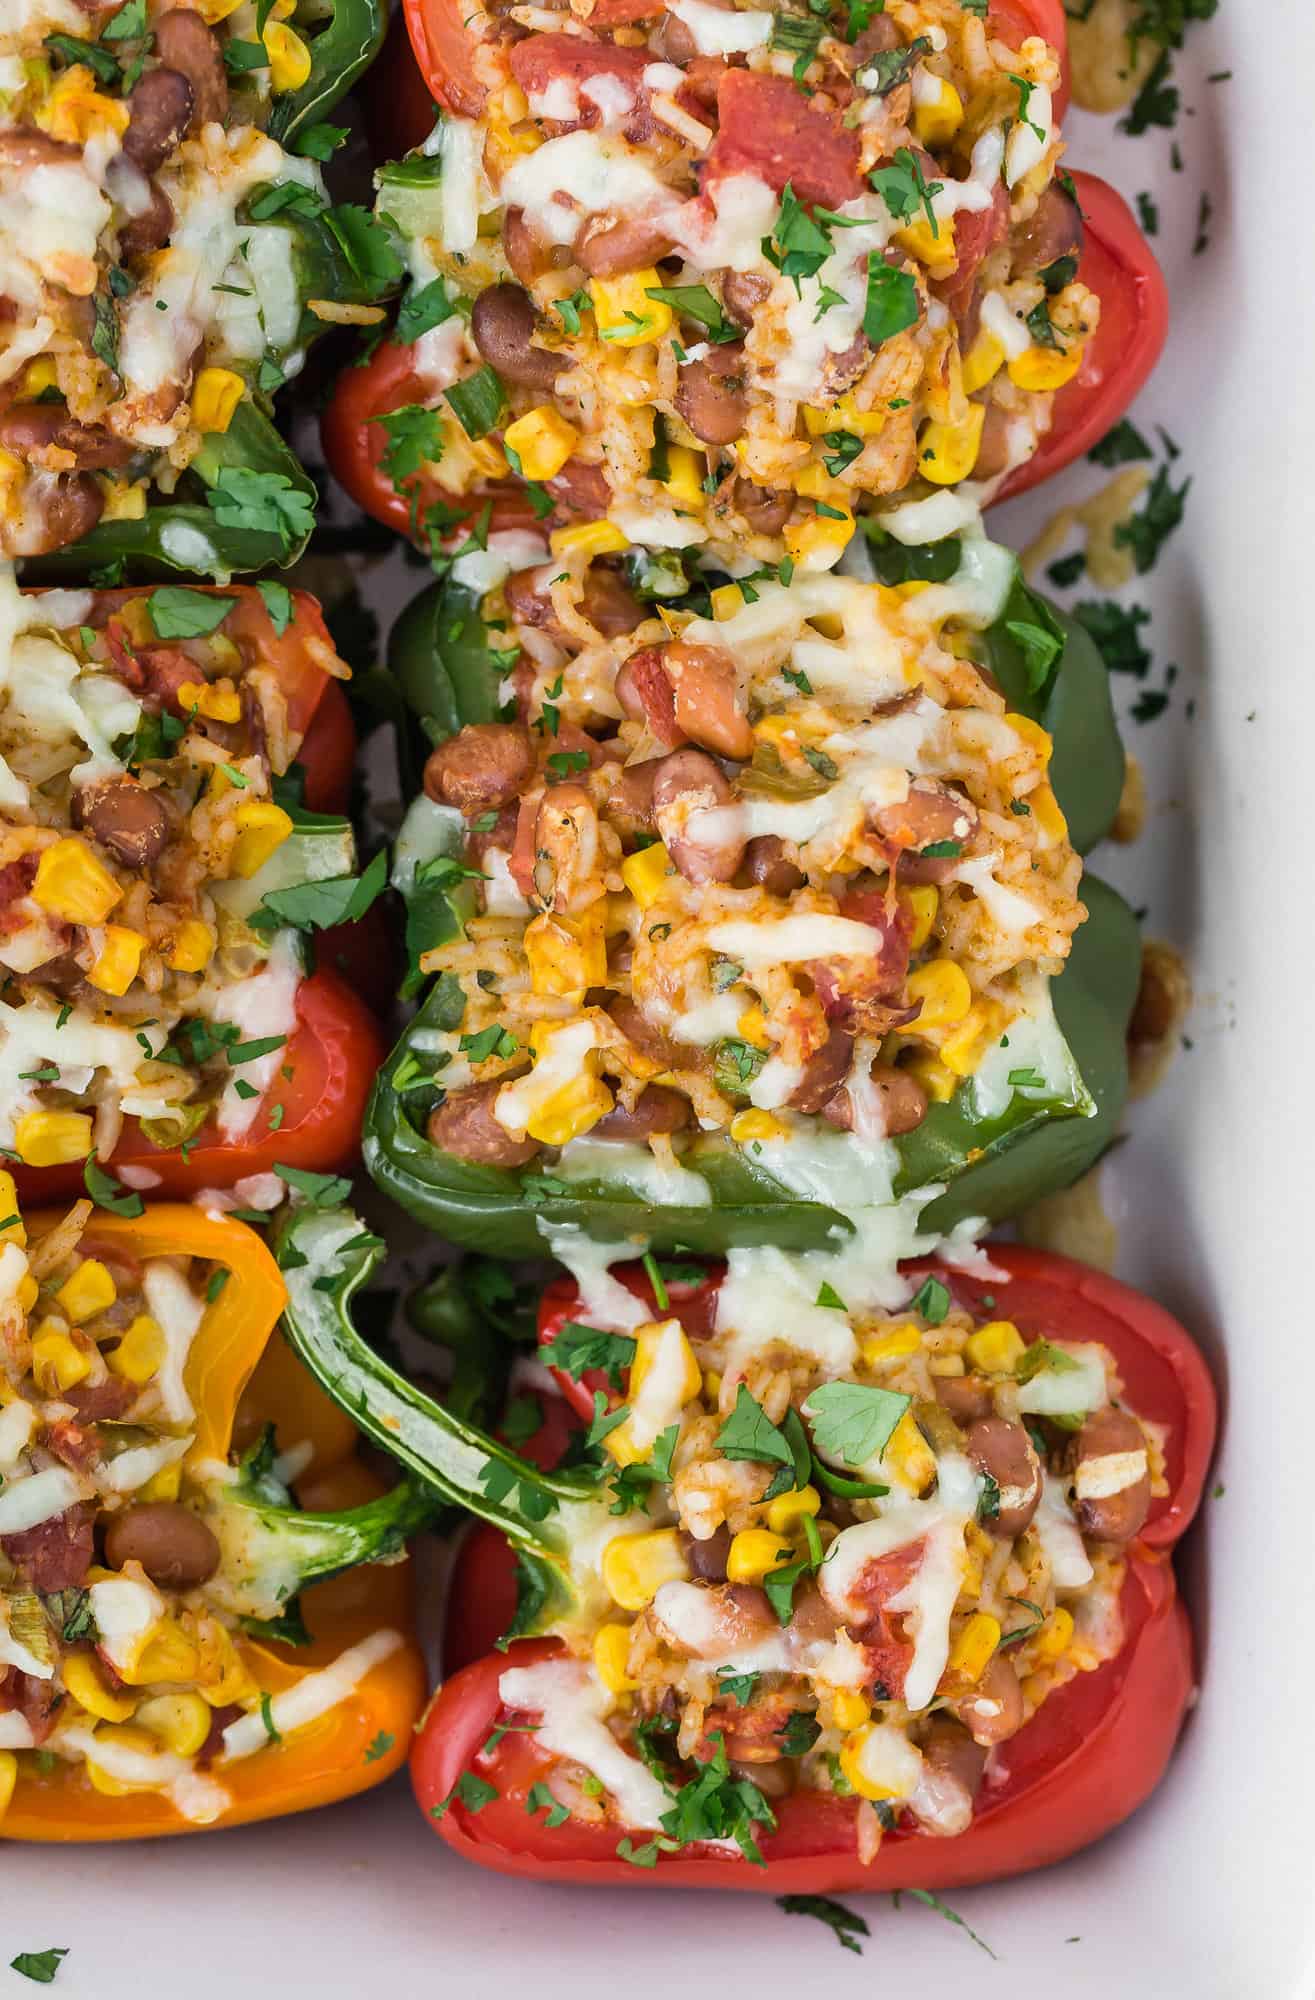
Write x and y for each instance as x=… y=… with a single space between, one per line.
x=359 y=1673
x=1088 y=1757
x=442 y=659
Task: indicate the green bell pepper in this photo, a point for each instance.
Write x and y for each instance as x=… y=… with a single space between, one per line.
x=440 y=656
x=339 y=52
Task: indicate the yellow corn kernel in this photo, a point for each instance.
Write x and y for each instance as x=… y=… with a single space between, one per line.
x=193 y=946
x=684 y=480
x=933 y=247
x=879 y=1762
x=125 y=1736
x=1048 y=813
x=995 y=1348
x=634 y=1567
x=978 y=1548
x=939 y=116
x=788 y=1509
x=73 y=883
x=57 y=1363
x=168 y=1655
x=942 y=987
x=624 y=313
x=1042 y=368
x=11 y=1223
x=27 y=1293
x=962 y=1051
x=571 y=1111
x=1037 y=739
x=88 y=1291
x=217 y=391
x=819 y=542
x=947 y=453
x=752 y=1026
x=262 y=829
x=945 y=1365
x=289 y=57
x=542 y=440
x=850 y=1711
x=139 y=1354
x=566 y=954
x=219 y=701
x=982 y=362
x=655 y=1338
x=908 y=1457
x=166 y=1484
x=38 y=376
x=937 y=1081
x=181 y=1721
x=843 y=415
x=874 y=1348
x=124 y=500
x=922 y=902
x=754 y=1553
x=118 y=960
x=611 y=1651
x=977 y=1639
x=711 y=1387
x=727 y=601
x=750 y=1127
x=232 y=1681
x=1055 y=1636
x=589 y=539
x=8 y=1779
x=90 y=1690
x=647 y=873
x=815 y=482
x=75 y=111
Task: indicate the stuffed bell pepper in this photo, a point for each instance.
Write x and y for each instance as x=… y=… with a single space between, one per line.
x=169 y=252
x=157 y=1017
x=169 y=1659
x=840 y=1593
x=758 y=920
x=720 y=278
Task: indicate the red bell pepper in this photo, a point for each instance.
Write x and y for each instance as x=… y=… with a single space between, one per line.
x=1088 y=1757
x=445 y=42
x=332 y=1053
x=1118 y=265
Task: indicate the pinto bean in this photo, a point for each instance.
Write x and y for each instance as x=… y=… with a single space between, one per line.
x=878 y=38
x=765 y=512
x=1054 y=231
x=644 y=690
x=812 y=1620
x=184 y=43
x=903 y=1102
x=709 y=705
x=658 y=1111
x=1003 y=1451
x=581 y=488
x=710 y=394
x=742 y=292
x=994 y=451
x=966 y=1397
x=994 y=1709
x=765 y=863
x=485 y=764
x=32 y=429
x=140 y=234
x=25 y=147
x=59 y=512
x=159 y=112
x=824 y=1072
x=953 y=1765
x=126 y=818
x=173 y=1545
x=502 y=322
x=630 y=802
x=528 y=256
x=1111 y=1478
x=686 y=782
x=465 y=1127
x=609 y=603
x=635 y=1025
x=566 y=858
x=611 y=249
x=929 y=815
x=706 y=1560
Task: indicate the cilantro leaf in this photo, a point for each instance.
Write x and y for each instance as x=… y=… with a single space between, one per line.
x=415 y=439
x=696 y=302
x=41 y=1966
x=577 y=1349
x=1120 y=446
x=319 y=142
x=424 y=306
x=179 y=613
x=277 y=599
x=892 y=300
x=844 y=1925
x=318 y=906
x=264 y=502
x=1153 y=523
x=851 y=1421
x=109 y=1193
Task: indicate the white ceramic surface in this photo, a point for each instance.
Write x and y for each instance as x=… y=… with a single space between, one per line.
x=1208 y=1892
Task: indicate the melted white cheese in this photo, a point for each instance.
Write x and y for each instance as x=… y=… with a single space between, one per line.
x=634 y=1167
x=572 y=1707
x=721 y=31
x=178 y=1312
x=311 y=1697
x=263 y=1004
x=28 y=1502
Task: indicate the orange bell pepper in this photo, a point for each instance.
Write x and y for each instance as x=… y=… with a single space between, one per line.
x=365 y=1613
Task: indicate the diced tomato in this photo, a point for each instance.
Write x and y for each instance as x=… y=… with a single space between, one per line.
x=769 y=129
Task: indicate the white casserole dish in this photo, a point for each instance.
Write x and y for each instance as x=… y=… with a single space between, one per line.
x=1207 y=1893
